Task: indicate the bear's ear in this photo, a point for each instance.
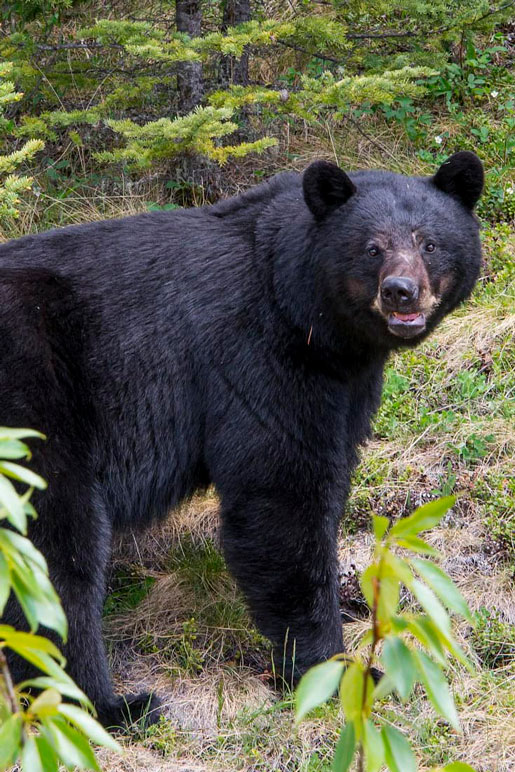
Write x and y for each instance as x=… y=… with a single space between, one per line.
x=461 y=176
x=325 y=188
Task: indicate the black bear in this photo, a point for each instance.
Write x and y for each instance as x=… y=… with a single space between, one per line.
x=240 y=344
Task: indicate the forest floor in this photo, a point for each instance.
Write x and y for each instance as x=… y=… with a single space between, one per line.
x=176 y=623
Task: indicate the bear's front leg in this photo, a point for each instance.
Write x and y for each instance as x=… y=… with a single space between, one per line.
x=281 y=547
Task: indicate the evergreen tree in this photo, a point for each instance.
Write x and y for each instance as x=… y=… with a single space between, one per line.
x=188 y=19
x=232 y=69
x=13 y=185
x=156 y=91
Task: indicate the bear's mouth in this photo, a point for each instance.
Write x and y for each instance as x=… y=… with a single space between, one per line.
x=406 y=325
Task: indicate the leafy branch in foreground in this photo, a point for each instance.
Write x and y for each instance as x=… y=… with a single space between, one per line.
x=415 y=648
x=37 y=731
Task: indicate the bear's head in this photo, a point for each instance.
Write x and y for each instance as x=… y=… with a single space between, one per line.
x=394 y=254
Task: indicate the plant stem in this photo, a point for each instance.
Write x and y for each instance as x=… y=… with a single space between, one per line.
x=9 y=686
x=376 y=586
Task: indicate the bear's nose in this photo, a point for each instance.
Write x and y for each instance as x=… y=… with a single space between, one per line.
x=398 y=291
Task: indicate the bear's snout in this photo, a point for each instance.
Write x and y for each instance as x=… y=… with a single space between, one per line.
x=398 y=292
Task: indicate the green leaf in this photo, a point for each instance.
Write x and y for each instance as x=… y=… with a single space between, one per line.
x=67 y=689
x=30 y=759
x=437 y=640
x=456 y=766
x=12 y=503
x=399 y=666
x=30 y=641
x=10 y=740
x=450 y=644
x=13 y=449
x=369 y=695
x=317 y=686
x=397 y=752
x=38 y=658
x=373 y=747
x=365 y=640
x=432 y=606
x=437 y=689
x=366 y=583
x=10 y=540
x=380 y=525
x=71 y=747
x=29 y=510
x=351 y=691
x=416 y=544
x=5 y=582
x=45 y=703
x=389 y=589
x=443 y=586
x=423 y=518
x=89 y=726
x=47 y=755
x=6 y=433
x=38 y=598
x=400 y=623
x=423 y=629
x=383 y=688
x=344 y=751
x=25 y=601
x=22 y=474
x=398 y=568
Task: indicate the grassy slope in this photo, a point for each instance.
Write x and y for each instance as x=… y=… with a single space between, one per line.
x=177 y=623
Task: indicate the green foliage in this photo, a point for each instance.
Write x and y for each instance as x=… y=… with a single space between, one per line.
x=192 y=133
x=37 y=731
x=493 y=639
x=495 y=492
x=130 y=589
x=23 y=11
x=108 y=91
x=13 y=185
x=416 y=647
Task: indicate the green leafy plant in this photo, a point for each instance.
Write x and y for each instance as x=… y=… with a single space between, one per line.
x=493 y=639
x=409 y=647
x=38 y=729
x=474 y=448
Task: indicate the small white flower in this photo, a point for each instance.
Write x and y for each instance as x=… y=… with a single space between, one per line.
x=510 y=191
x=438 y=140
x=494 y=94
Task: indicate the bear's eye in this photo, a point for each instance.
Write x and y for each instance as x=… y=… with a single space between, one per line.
x=373 y=251
x=430 y=247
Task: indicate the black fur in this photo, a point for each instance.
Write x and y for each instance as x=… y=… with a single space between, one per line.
x=325 y=188
x=234 y=344
x=461 y=176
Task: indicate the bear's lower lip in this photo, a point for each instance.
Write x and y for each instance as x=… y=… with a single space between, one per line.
x=406 y=325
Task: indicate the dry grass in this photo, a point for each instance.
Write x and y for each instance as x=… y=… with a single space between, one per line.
x=223 y=718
